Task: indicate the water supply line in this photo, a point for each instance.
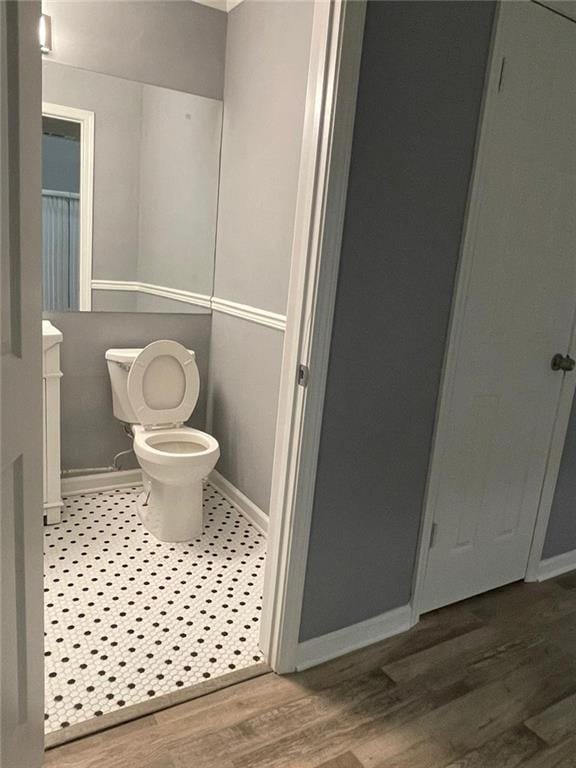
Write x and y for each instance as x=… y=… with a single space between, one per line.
x=114 y=467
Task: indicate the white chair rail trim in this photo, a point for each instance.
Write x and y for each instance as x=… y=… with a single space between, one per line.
x=225 y=306
x=188 y=297
x=253 y=314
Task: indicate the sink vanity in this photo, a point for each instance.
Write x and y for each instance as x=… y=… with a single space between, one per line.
x=51 y=375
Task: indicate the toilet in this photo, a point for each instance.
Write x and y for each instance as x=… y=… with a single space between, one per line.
x=155 y=390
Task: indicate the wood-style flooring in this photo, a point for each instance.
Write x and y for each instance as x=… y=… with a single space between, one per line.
x=487 y=683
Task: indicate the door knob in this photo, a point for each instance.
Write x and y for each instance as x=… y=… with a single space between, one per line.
x=562 y=362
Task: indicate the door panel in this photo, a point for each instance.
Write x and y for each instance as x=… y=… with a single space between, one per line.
x=21 y=596
x=518 y=310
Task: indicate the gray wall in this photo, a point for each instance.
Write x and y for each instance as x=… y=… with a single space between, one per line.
x=243 y=401
x=153 y=42
x=114 y=301
x=561 y=534
x=179 y=167
x=267 y=56
x=91 y=436
x=421 y=84
x=267 y=53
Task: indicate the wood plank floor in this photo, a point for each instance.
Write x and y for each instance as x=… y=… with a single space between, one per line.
x=487 y=683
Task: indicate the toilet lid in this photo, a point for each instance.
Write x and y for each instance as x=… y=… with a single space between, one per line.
x=163 y=384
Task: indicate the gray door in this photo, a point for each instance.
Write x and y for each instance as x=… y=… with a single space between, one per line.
x=21 y=608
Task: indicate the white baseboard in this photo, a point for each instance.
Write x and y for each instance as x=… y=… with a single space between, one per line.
x=242 y=503
x=556 y=566
x=104 y=481
x=53 y=504
x=320 y=649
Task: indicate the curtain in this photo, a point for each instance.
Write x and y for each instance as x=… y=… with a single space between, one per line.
x=60 y=249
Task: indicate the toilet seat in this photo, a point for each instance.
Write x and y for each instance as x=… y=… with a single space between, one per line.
x=163 y=384
x=175 y=446
x=175 y=455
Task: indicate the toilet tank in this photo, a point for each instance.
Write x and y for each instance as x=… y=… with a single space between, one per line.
x=119 y=362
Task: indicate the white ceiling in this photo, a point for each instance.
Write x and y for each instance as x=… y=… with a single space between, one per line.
x=221 y=5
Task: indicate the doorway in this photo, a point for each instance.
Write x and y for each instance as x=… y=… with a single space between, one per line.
x=60 y=213
x=306 y=343
x=67 y=207
x=512 y=333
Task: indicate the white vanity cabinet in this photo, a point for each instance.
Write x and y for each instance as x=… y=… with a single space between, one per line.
x=51 y=375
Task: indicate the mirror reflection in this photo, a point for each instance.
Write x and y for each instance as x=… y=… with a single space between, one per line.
x=129 y=194
x=61 y=141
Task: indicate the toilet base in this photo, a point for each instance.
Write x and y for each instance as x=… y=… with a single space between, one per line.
x=171 y=513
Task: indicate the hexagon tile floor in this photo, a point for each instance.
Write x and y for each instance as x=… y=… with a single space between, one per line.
x=129 y=617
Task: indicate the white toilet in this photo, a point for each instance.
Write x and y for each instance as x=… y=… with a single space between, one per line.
x=155 y=390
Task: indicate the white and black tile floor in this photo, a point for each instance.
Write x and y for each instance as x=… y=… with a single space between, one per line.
x=129 y=618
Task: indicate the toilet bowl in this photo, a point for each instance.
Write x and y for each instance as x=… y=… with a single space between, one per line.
x=174 y=462
x=155 y=390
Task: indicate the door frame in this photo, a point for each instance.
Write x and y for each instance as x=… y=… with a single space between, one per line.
x=85 y=118
x=334 y=67
x=556 y=449
x=492 y=79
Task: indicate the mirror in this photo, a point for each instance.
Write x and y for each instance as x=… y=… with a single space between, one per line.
x=129 y=194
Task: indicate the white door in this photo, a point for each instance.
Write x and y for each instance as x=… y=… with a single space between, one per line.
x=21 y=608
x=514 y=311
